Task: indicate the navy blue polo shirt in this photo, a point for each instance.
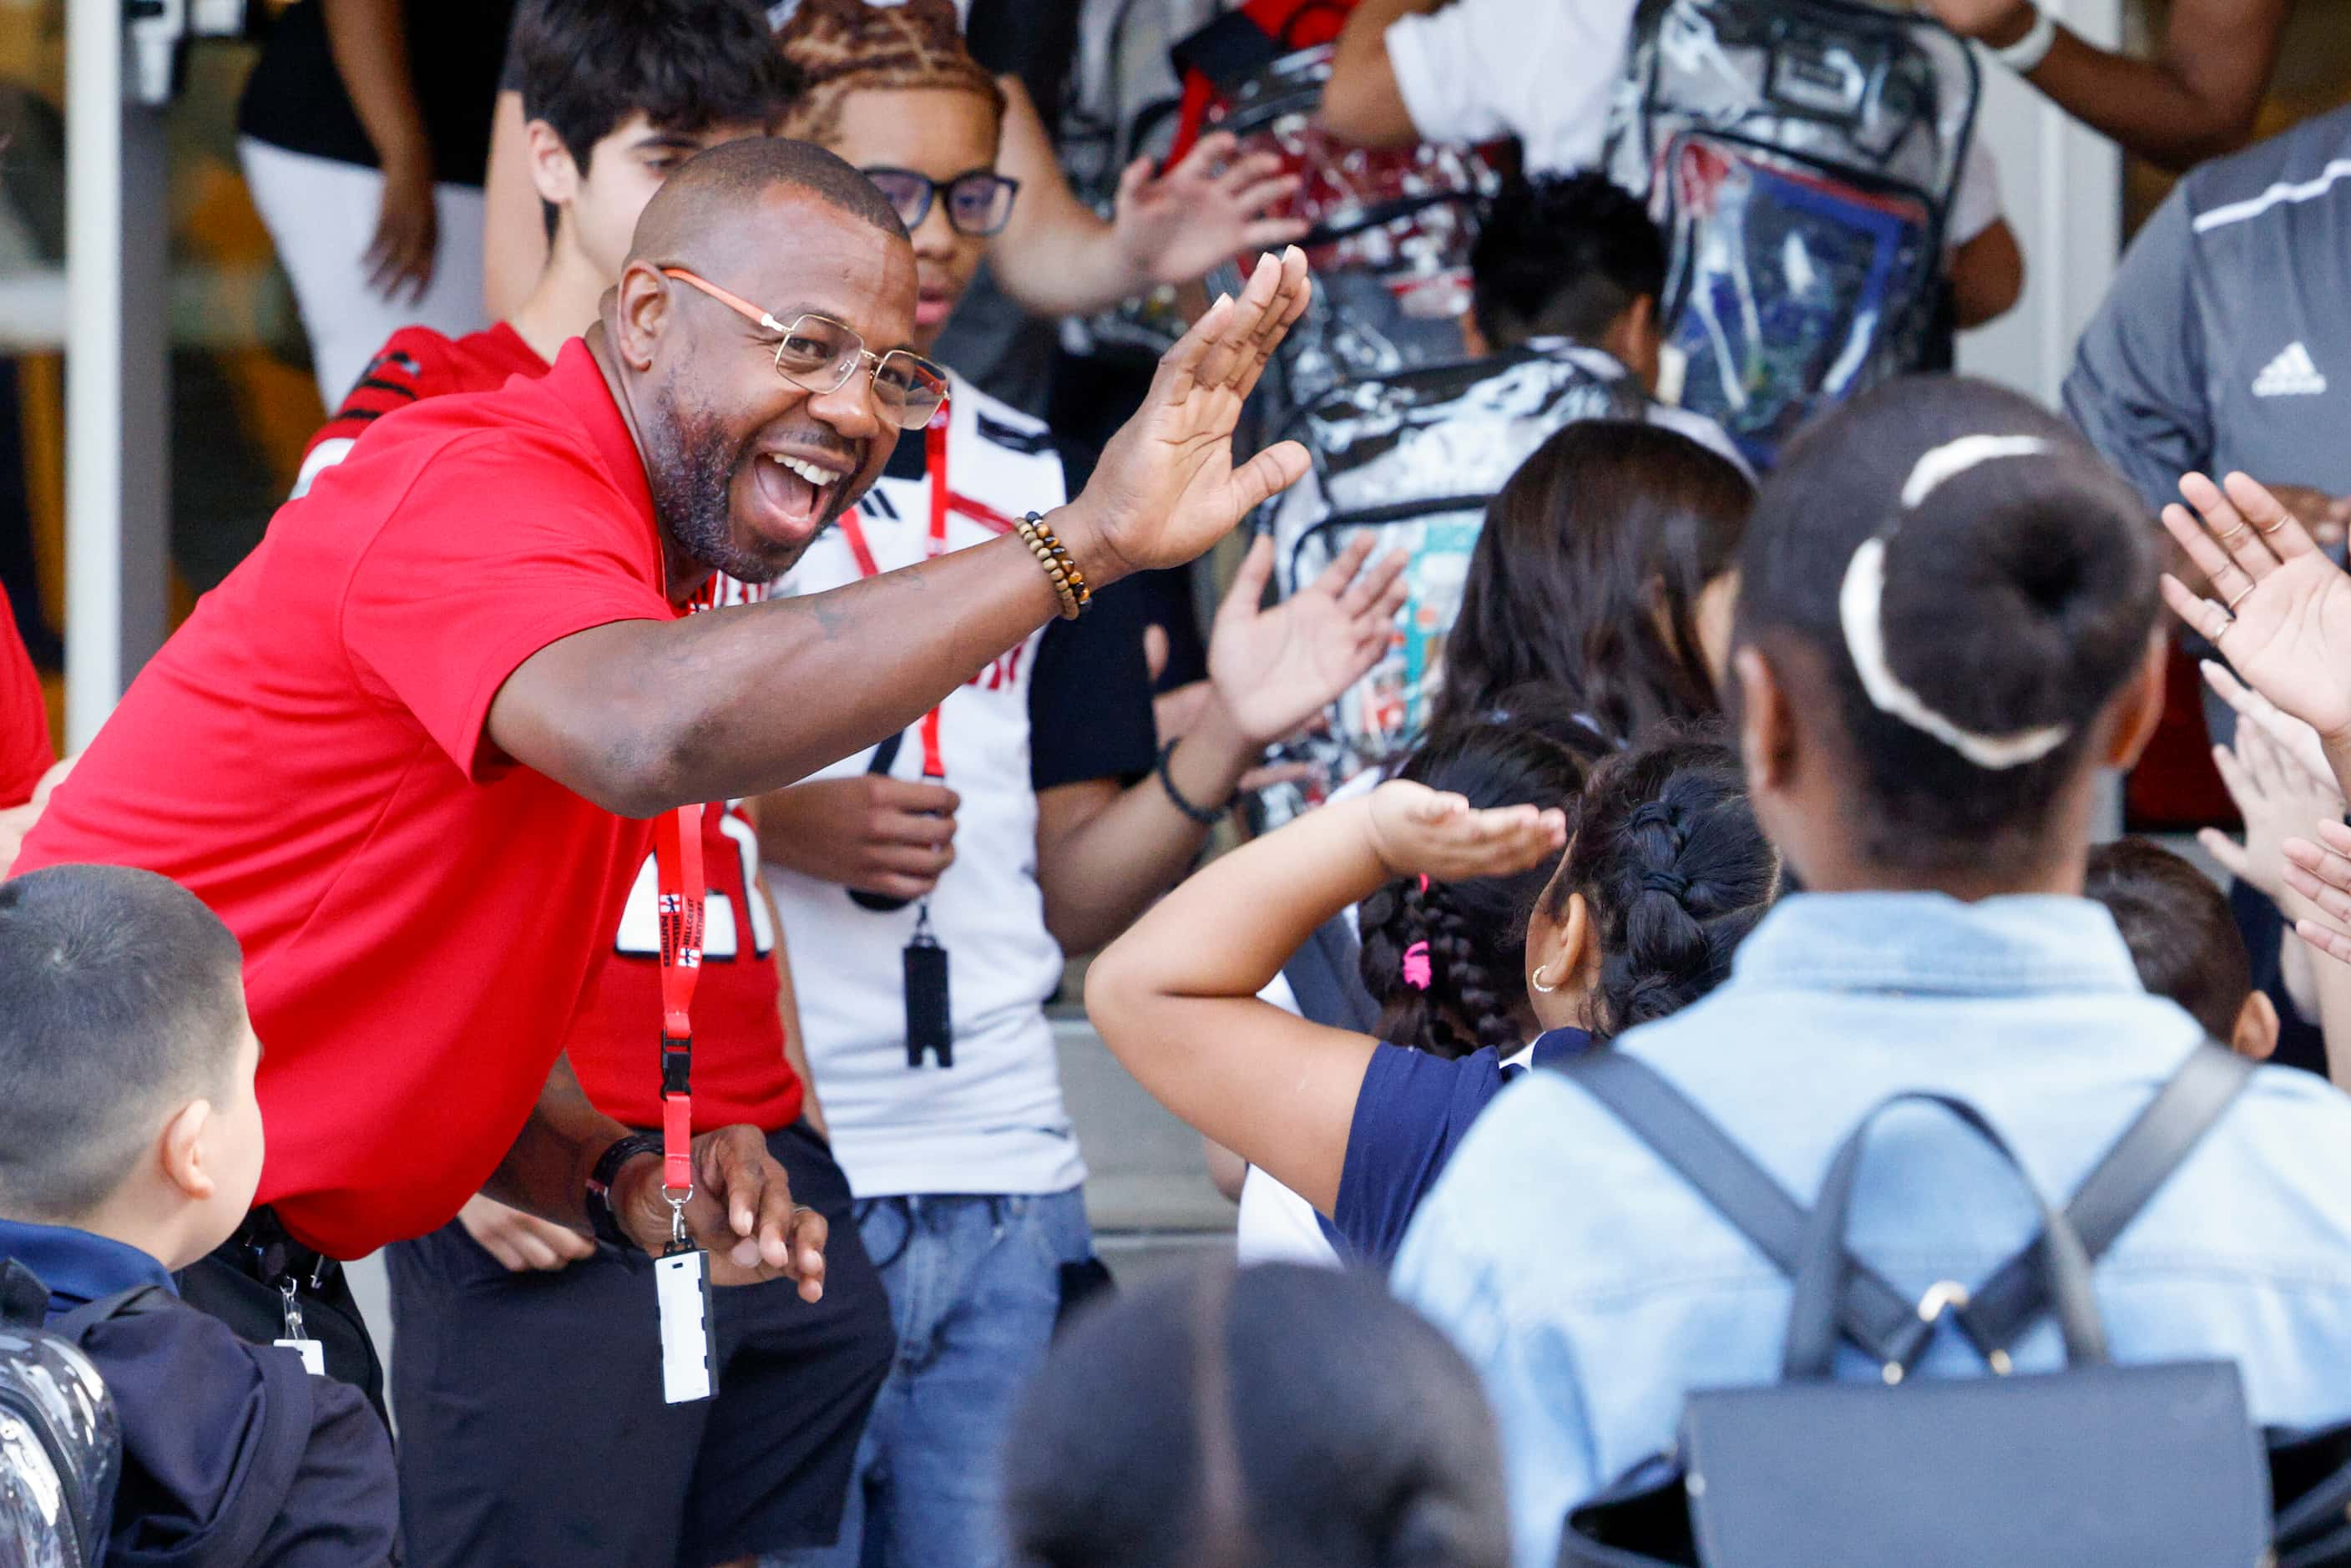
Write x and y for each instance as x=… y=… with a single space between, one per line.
x=1411 y=1113
x=232 y=1457
x=77 y=1266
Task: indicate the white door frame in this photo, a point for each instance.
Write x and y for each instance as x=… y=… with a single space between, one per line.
x=118 y=373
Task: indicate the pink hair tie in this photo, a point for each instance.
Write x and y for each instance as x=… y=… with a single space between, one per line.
x=1417 y=974
x=1424 y=882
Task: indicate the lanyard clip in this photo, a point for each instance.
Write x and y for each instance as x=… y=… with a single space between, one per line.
x=293 y=1309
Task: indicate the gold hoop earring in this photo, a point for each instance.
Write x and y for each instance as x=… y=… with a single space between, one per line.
x=1537 y=980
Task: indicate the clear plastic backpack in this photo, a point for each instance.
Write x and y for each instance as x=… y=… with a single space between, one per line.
x=1389 y=243
x=1412 y=458
x=1802 y=157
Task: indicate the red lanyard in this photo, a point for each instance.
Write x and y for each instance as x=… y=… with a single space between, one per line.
x=684 y=892
x=677 y=859
x=942 y=501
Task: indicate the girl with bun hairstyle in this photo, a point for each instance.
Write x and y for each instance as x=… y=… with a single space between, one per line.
x=1489 y=922
x=1946 y=632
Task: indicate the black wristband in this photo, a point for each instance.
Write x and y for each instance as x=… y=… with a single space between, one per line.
x=601 y=1218
x=1202 y=815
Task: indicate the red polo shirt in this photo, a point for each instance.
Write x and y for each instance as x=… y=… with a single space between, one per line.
x=421 y=915
x=740 y=1072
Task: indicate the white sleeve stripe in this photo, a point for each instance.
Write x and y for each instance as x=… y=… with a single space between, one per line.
x=323 y=457
x=2282 y=192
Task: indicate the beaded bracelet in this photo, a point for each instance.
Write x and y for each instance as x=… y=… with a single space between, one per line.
x=1203 y=815
x=1060 y=567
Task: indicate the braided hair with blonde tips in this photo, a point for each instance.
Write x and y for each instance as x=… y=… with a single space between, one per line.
x=1442 y=960
x=1674 y=872
x=846 y=46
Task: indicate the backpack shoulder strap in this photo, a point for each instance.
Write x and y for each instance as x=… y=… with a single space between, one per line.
x=1874 y=1315
x=72 y=1325
x=24 y=1300
x=2141 y=1160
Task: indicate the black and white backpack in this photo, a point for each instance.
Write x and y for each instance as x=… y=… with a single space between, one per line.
x=1412 y=458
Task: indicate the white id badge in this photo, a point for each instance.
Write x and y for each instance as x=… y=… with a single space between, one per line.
x=313 y=1353
x=682 y=1290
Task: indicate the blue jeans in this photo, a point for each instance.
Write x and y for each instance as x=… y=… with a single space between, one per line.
x=973 y=1285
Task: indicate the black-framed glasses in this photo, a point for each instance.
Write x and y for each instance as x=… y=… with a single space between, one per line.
x=820 y=354
x=979 y=201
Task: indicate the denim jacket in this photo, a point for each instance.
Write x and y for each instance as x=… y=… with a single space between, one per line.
x=1592 y=1289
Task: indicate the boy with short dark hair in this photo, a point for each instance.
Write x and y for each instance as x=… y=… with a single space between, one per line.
x=130 y=1143
x=2183 y=941
x=617 y=96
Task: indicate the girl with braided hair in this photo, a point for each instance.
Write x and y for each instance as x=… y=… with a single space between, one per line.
x=1664 y=870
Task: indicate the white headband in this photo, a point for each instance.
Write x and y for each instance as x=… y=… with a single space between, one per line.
x=1860 y=603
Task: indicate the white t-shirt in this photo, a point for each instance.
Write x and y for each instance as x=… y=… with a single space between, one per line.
x=1975 y=196
x=994 y=1121
x=1540 y=70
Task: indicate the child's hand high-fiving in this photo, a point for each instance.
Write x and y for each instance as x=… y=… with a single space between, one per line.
x=1418 y=830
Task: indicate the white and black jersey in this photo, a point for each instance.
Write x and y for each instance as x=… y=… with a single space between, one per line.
x=1070 y=703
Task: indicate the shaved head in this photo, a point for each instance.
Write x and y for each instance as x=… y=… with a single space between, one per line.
x=745 y=463
x=696 y=205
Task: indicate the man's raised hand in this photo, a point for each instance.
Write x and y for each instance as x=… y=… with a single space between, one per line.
x=1166 y=488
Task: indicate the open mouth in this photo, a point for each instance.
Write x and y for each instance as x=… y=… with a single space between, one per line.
x=930 y=310
x=795 y=496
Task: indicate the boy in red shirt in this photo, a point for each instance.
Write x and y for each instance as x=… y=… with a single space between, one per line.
x=637 y=91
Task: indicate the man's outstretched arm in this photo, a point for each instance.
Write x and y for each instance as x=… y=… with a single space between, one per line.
x=642 y=716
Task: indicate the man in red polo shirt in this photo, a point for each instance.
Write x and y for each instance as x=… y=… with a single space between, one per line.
x=407 y=751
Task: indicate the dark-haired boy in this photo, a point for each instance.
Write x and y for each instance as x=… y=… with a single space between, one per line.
x=130 y=1143
x=1577 y=265
x=2183 y=941
x=617 y=96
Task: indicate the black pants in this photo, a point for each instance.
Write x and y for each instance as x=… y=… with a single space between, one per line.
x=531 y=1421
x=244 y=1283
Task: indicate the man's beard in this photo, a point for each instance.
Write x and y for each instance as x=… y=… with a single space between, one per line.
x=690 y=471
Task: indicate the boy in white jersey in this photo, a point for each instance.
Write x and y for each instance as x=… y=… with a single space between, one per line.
x=1024 y=817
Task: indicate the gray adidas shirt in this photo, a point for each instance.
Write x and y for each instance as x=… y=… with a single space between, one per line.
x=2225 y=342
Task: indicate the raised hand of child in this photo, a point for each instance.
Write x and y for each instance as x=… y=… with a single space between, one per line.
x=2296 y=739
x=2280 y=800
x=1418 y=830
x=2319 y=869
x=2278 y=609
